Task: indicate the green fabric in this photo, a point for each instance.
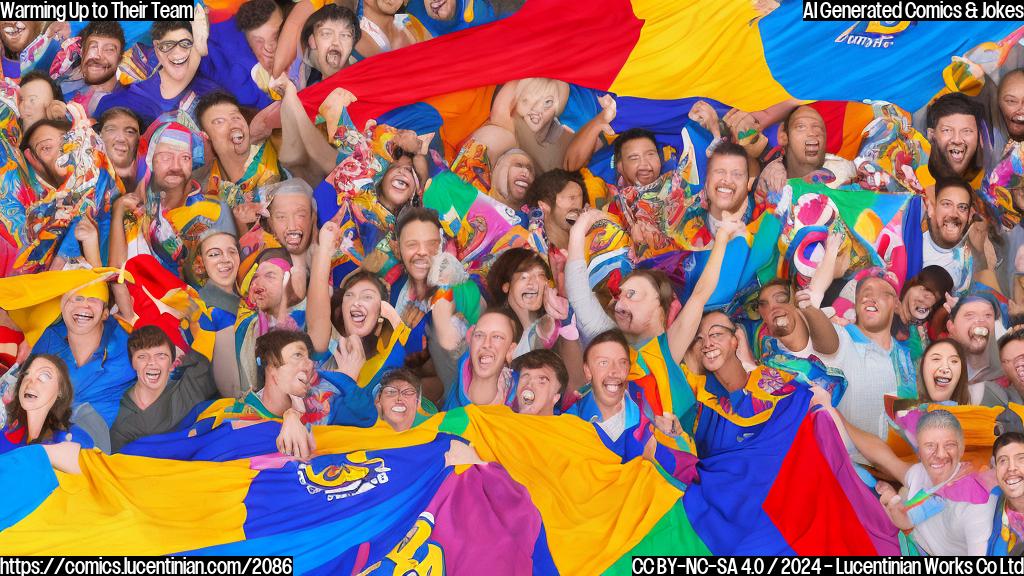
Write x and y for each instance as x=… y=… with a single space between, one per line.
x=671 y=536
x=467 y=301
x=447 y=193
x=455 y=422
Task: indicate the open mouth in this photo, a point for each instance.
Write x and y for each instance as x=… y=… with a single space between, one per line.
x=237 y=136
x=957 y=152
x=725 y=191
x=921 y=312
x=357 y=316
x=225 y=269
x=293 y=238
x=979 y=332
x=572 y=216
x=623 y=317
x=952 y=226
x=812 y=147
x=781 y=320
x=526 y=397
x=82 y=318
x=29 y=395
x=942 y=381
x=613 y=386
x=1013 y=480
x=398 y=409
x=531 y=296
x=400 y=184
x=421 y=265
x=712 y=354
x=179 y=62
x=152 y=376
x=333 y=58
x=871 y=308
x=521 y=184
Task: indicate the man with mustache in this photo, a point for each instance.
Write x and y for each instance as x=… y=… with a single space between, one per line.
x=954 y=122
x=239 y=166
x=945 y=241
x=103 y=44
x=972 y=323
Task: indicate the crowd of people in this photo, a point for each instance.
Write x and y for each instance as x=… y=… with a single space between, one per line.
x=179 y=233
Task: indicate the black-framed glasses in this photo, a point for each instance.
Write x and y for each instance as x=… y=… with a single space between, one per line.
x=169 y=45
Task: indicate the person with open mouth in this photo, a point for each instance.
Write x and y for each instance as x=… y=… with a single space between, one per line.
x=943 y=374
x=166 y=390
x=511 y=176
x=954 y=122
x=803 y=138
x=40 y=408
x=604 y=400
x=972 y=323
x=180 y=46
x=921 y=298
x=484 y=374
x=559 y=197
x=543 y=379
x=328 y=37
x=955 y=521
x=398 y=399
x=945 y=241
x=239 y=166
x=1007 y=537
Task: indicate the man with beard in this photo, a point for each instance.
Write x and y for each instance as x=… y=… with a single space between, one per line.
x=543 y=380
x=1007 y=537
x=972 y=323
x=558 y=195
x=18 y=35
x=120 y=128
x=167 y=214
x=874 y=363
x=239 y=166
x=954 y=122
x=328 y=37
x=102 y=44
x=180 y=46
x=945 y=241
x=635 y=151
x=727 y=185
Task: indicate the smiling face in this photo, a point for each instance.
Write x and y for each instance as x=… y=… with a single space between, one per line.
x=638 y=311
x=332 y=42
x=172 y=166
x=973 y=326
x=263 y=40
x=227 y=129
x=418 y=244
x=876 y=301
x=949 y=217
x=726 y=187
x=639 y=163
x=526 y=289
x=46 y=145
x=538 y=392
x=919 y=301
x=520 y=176
x=398 y=185
x=567 y=208
x=175 y=61
x=716 y=341
x=266 y=291
x=940 y=450
x=40 y=386
x=153 y=367
x=397 y=403
x=295 y=374
x=83 y=315
x=491 y=345
x=33 y=98
x=360 y=306
x=120 y=135
x=291 y=221
x=16 y=35
x=607 y=369
x=220 y=259
x=100 y=58
x=940 y=369
x=777 y=311
x=1011 y=105
x=1012 y=357
x=1010 y=470
x=804 y=138
x=956 y=137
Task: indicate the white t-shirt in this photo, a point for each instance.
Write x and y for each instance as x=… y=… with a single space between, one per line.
x=961 y=529
x=948 y=258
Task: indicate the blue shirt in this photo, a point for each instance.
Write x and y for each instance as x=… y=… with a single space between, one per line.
x=145 y=99
x=105 y=377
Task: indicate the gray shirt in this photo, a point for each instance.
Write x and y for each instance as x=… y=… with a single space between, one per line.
x=591 y=319
x=178 y=399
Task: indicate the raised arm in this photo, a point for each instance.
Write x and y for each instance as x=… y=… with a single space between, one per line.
x=291 y=34
x=590 y=315
x=683 y=330
x=318 y=299
x=588 y=139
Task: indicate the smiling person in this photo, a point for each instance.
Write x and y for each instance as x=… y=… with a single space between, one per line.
x=179 y=48
x=920 y=299
x=397 y=399
x=954 y=121
x=951 y=524
x=972 y=323
x=606 y=366
x=120 y=130
x=543 y=380
x=102 y=44
x=166 y=388
x=559 y=195
x=942 y=376
x=239 y=165
x=484 y=374
x=1007 y=537
x=40 y=410
x=1011 y=356
x=290 y=217
x=945 y=241
x=802 y=137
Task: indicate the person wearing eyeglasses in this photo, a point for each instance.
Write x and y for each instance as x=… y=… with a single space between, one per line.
x=946 y=240
x=398 y=399
x=179 y=47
